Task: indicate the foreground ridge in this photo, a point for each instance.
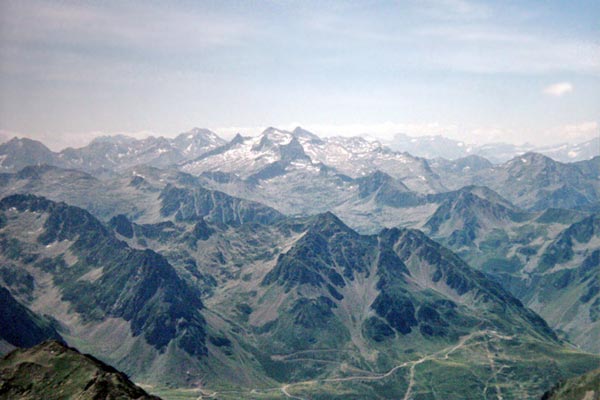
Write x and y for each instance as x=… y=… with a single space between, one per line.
x=52 y=370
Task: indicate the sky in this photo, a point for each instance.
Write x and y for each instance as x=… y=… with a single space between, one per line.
x=513 y=71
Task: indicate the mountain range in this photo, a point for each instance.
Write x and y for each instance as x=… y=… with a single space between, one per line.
x=288 y=265
x=442 y=147
x=110 y=153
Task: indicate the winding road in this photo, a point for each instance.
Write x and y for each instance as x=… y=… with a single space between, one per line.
x=441 y=354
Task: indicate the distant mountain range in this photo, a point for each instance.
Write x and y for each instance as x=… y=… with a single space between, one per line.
x=443 y=147
x=110 y=153
x=296 y=266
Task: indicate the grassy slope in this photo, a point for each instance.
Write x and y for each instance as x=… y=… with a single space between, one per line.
x=584 y=387
x=52 y=370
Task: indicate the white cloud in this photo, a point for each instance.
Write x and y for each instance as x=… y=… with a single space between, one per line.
x=578 y=132
x=558 y=89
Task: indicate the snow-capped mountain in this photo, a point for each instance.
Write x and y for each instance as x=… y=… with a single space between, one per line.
x=442 y=147
x=248 y=156
x=121 y=152
x=356 y=157
x=116 y=152
x=277 y=152
x=196 y=142
x=111 y=153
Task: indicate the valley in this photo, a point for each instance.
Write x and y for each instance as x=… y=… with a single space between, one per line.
x=292 y=266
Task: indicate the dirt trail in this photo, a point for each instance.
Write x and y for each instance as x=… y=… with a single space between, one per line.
x=441 y=354
x=494 y=370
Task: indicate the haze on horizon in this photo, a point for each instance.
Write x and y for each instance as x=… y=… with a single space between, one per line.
x=515 y=71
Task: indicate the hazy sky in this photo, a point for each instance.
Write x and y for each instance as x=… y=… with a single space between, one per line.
x=479 y=71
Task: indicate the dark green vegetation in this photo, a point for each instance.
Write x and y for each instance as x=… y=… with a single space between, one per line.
x=185 y=287
x=52 y=370
x=584 y=387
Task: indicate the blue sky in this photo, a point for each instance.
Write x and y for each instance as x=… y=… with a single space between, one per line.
x=477 y=71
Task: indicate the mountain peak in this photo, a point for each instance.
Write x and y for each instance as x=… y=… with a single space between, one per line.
x=199 y=133
x=276 y=136
x=328 y=224
x=304 y=134
x=20 y=141
x=196 y=142
x=370 y=183
x=196 y=130
x=532 y=158
x=488 y=194
x=238 y=138
x=30 y=148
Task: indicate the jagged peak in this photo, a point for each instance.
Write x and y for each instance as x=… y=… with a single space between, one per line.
x=275 y=136
x=328 y=224
x=300 y=132
x=292 y=151
x=237 y=139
